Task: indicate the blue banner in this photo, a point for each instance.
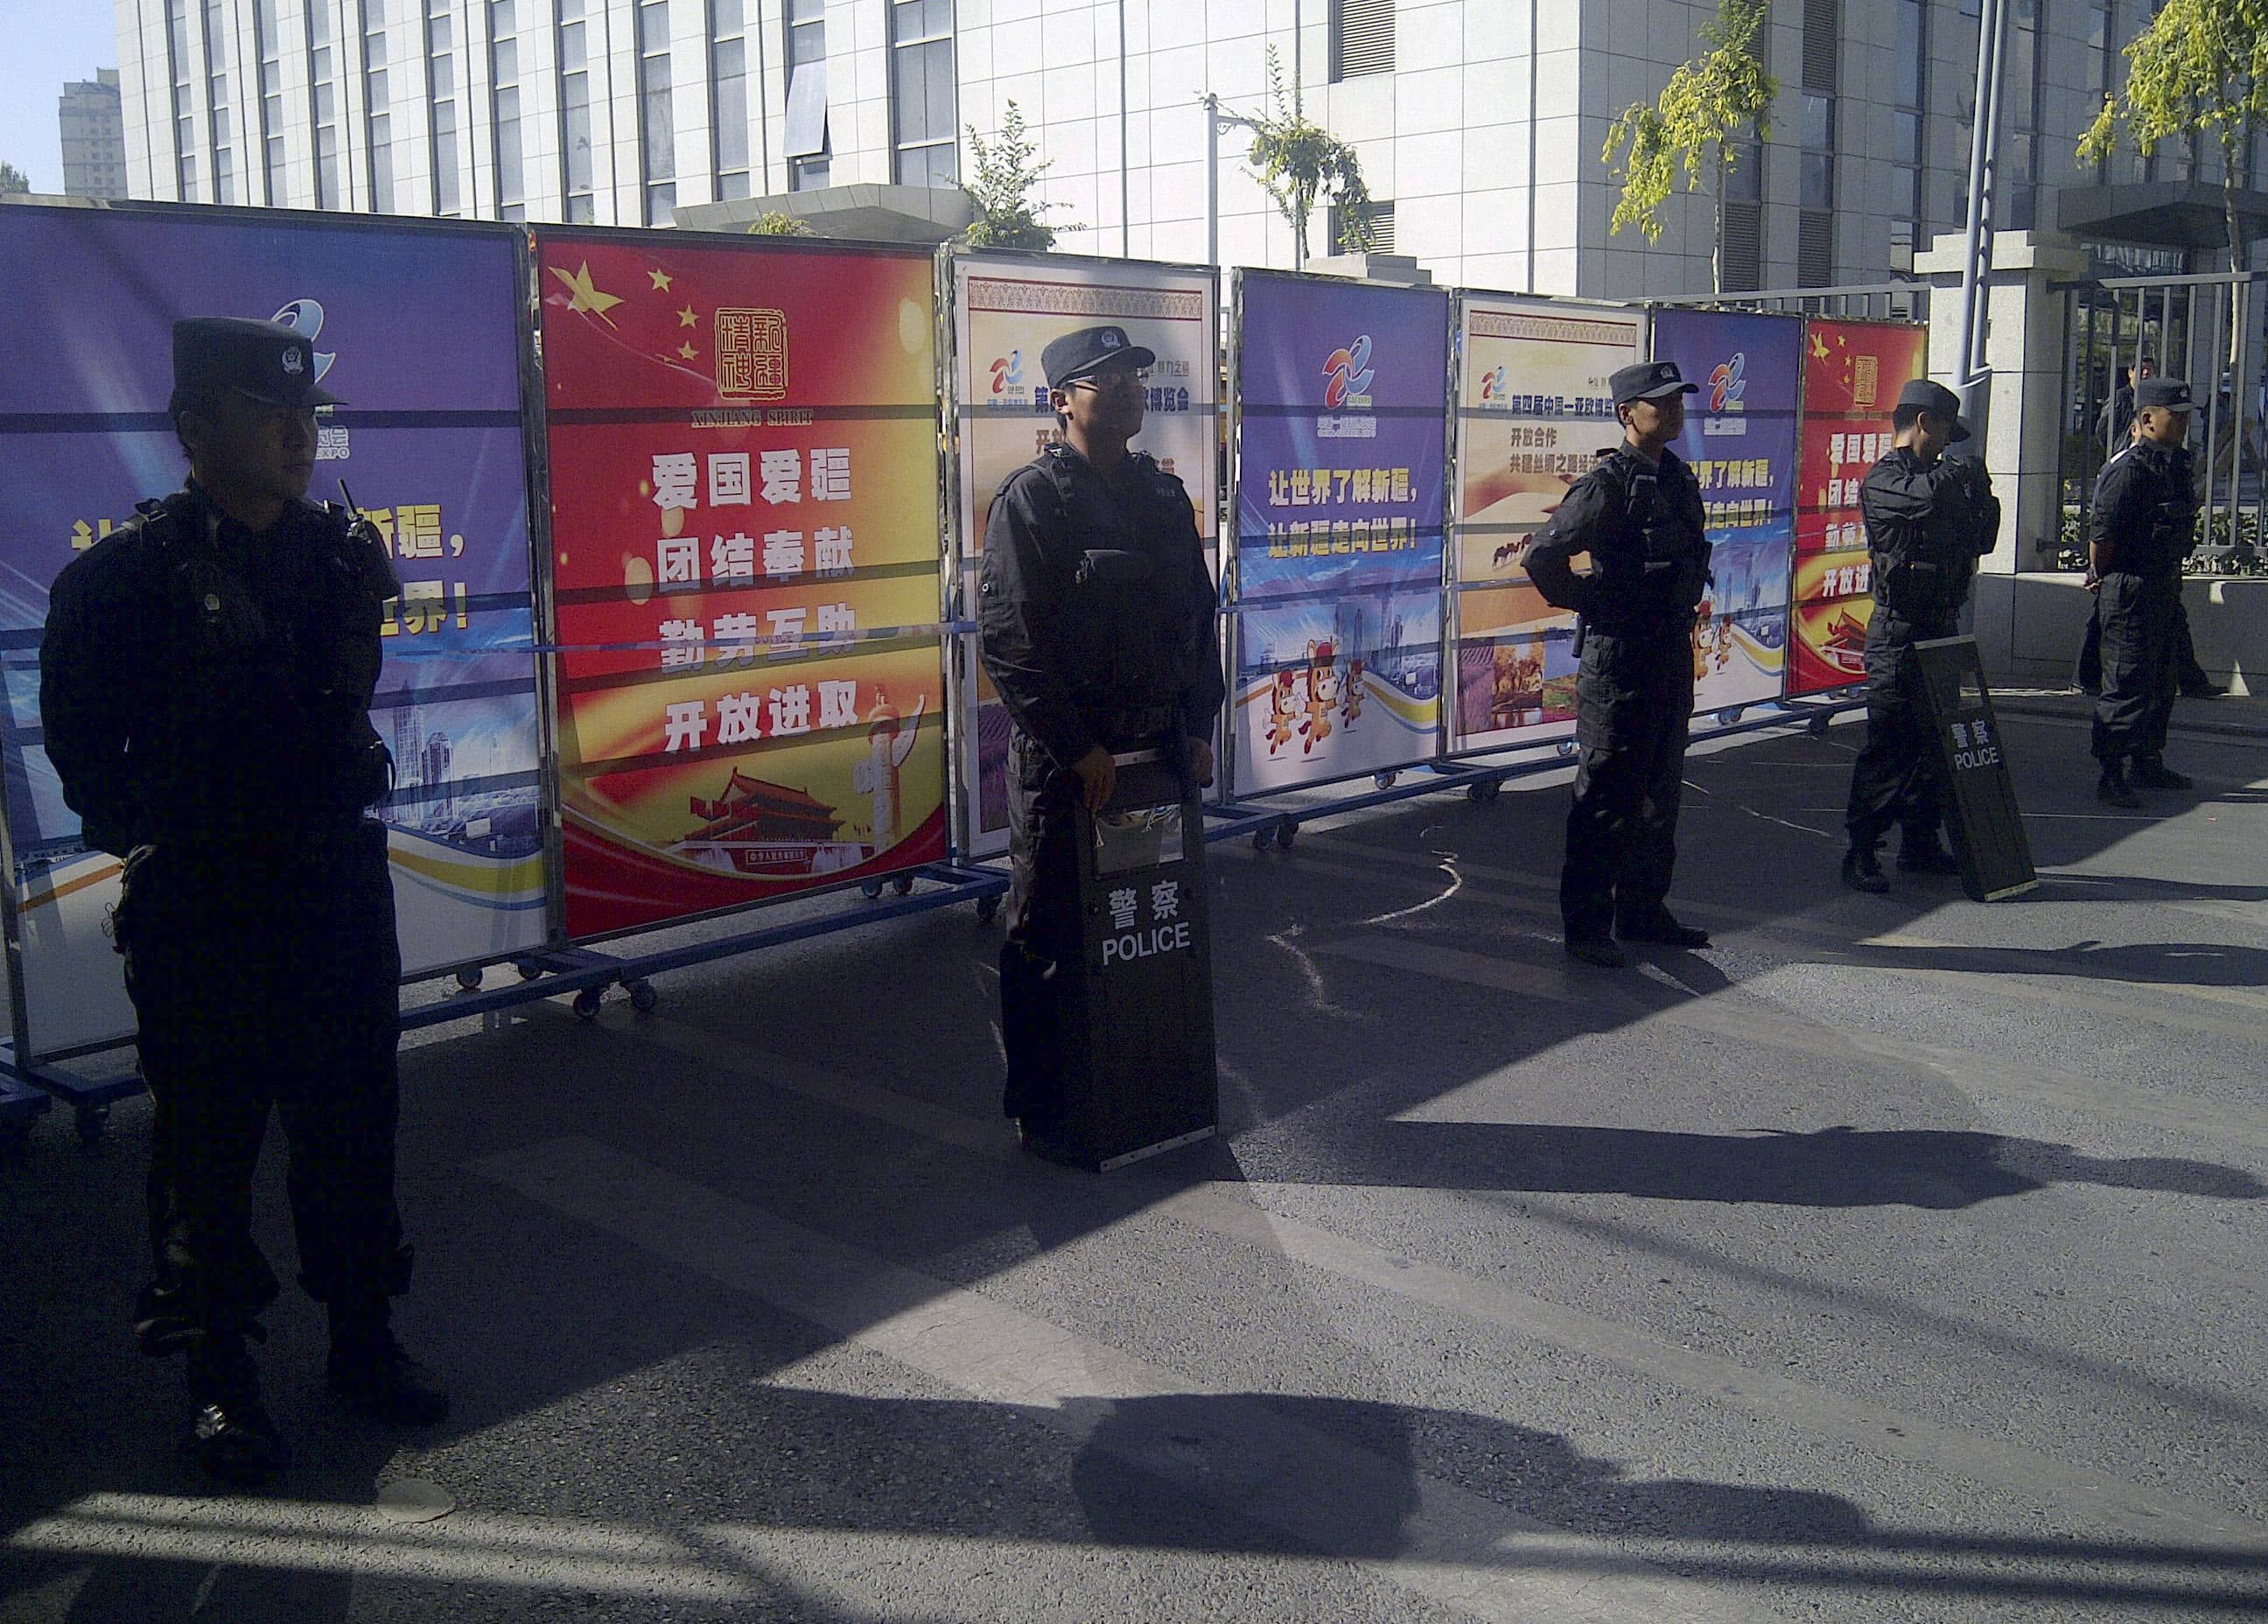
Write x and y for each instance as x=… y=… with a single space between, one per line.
x=417 y=327
x=1340 y=457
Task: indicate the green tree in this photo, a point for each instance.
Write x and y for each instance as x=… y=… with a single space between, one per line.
x=1009 y=213
x=1297 y=161
x=777 y=223
x=12 y=179
x=1709 y=101
x=2200 y=69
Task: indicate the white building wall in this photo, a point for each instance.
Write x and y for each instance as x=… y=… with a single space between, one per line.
x=1486 y=138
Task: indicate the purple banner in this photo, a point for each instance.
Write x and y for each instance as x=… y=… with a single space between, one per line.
x=1340 y=457
x=417 y=329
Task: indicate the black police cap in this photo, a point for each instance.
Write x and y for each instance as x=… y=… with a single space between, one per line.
x=2167 y=394
x=1089 y=350
x=265 y=360
x=1938 y=402
x=1649 y=380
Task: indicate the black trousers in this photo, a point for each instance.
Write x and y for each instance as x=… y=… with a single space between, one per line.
x=262 y=985
x=1043 y=921
x=1633 y=707
x=1893 y=780
x=2139 y=682
x=2188 y=672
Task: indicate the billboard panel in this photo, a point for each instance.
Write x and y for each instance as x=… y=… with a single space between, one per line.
x=746 y=569
x=1006 y=308
x=1534 y=410
x=417 y=328
x=1853 y=371
x=1342 y=438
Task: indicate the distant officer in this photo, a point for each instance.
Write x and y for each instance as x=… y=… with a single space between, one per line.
x=205 y=685
x=1096 y=617
x=1639 y=514
x=1929 y=519
x=2144 y=526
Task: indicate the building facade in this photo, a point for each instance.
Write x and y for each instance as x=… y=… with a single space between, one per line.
x=1479 y=123
x=94 y=137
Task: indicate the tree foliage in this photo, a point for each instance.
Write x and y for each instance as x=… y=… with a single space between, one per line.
x=1719 y=95
x=779 y=223
x=1297 y=161
x=2199 y=68
x=1009 y=211
x=12 y=179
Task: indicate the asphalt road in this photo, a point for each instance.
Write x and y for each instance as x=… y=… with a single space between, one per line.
x=1899 y=1260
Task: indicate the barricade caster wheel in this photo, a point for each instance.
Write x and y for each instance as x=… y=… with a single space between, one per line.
x=528 y=969
x=1566 y=747
x=1816 y=727
x=988 y=909
x=92 y=1122
x=642 y=996
x=469 y=979
x=587 y=1002
x=1485 y=791
x=1264 y=840
x=1725 y=718
x=1285 y=834
x=870 y=889
x=903 y=885
x=1384 y=781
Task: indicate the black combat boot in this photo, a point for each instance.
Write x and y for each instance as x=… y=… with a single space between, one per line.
x=2151 y=772
x=2112 y=790
x=229 y=1433
x=371 y=1375
x=1862 y=871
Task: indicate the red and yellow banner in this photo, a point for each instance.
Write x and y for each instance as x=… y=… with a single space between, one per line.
x=1853 y=371
x=746 y=570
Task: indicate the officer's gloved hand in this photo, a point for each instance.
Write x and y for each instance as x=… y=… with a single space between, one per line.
x=1098 y=776
x=1201 y=763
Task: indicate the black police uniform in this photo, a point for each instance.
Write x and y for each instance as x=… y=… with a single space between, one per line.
x=1927 y=524
x=1097 y=627
x=2145 y=524
x=206 y=699
x=205 y=695
x=1644 y=528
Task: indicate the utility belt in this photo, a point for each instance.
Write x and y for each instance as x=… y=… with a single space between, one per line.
x=1126 y=730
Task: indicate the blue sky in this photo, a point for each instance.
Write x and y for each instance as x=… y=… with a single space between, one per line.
x=43 y=44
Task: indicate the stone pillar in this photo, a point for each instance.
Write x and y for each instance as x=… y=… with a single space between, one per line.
x=2027 y=622
x=2026 y=322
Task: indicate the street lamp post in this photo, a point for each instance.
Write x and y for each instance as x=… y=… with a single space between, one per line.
x=1216 y=122
x=1974 y=382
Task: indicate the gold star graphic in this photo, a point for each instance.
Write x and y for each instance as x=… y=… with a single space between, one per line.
x=661 y=280
x=686 y=351
x=1818 y=348
x=586 y=297
x=687 y=319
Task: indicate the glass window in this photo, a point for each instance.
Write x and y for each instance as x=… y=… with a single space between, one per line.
x=378 y=106
x=728 y=80
x=922 y=92
x=656 y=123
x=806 y=147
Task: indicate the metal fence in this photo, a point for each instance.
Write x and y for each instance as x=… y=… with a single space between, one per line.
x=2205 y=329
x=1869 y=301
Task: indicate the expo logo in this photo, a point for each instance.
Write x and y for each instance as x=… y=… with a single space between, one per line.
x=1492 y=384
x=1008 y=372
x=1350 y=372
x=304 y=317
x=1727 y=384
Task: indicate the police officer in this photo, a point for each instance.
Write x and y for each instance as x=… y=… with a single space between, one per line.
x=1929 y=519
x=2144 y=526
x=205 y=685
x=1096 y=625
x=1639 y=514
